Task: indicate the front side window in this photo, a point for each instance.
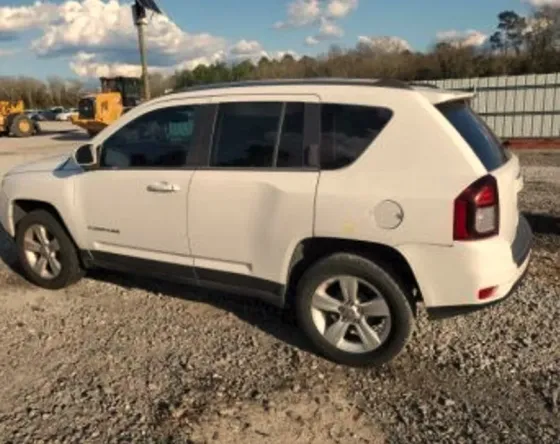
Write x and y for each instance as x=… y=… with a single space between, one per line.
x=158 y=139
x=347 y=130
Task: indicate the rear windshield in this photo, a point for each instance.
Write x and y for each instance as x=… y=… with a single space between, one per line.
x=477 y=134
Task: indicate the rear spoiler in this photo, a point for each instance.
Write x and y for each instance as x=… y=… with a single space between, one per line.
x=438 y=96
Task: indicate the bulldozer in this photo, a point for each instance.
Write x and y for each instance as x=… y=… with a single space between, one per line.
x=13 y=120
x=117 y=96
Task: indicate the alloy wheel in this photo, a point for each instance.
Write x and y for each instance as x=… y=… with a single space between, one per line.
x=351 y=314
x=42 y=252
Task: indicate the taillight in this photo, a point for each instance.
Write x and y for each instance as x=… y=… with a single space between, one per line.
x=477 y=211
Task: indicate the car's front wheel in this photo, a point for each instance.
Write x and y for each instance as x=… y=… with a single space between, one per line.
x=354 y=311
x=46 y=252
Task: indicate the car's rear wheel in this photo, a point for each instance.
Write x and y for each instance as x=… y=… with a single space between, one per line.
x=354 y=311
x=46 y=252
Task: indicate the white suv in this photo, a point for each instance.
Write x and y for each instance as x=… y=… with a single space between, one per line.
x=349 y=200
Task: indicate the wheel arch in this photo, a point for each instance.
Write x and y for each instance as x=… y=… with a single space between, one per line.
x=22 y=207
x=310 y=250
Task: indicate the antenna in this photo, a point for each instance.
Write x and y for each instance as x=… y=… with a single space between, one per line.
x=139 y=9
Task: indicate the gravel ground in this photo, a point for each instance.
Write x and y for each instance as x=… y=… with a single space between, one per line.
x=122 y=359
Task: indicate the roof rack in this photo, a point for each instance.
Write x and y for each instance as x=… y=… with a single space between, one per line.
x=380 y=83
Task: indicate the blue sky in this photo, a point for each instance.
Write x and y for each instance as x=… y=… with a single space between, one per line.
x=96 y=36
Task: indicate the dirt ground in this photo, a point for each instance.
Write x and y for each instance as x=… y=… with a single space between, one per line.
x=117 y=358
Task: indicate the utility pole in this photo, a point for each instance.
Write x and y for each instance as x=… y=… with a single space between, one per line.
x=139 y=9
x=141 y=21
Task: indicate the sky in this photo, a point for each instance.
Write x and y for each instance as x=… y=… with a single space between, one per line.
x=91 y=38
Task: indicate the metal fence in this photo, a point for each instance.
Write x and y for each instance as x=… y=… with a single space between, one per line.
x=525 y=106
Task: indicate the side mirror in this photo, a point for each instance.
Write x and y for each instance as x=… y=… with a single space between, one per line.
x=86 y=156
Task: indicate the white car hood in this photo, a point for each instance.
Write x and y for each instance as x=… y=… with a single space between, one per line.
x=58 y=162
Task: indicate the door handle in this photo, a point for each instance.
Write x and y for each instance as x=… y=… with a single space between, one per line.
x=163 y=187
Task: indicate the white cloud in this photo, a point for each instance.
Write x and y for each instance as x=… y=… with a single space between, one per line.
x=244 y=47
x=385 y=44
x=88 y=64
x=320 y=13
x=539 y=3
x=456 y=38
x=329 y=29
x=311 y=41
x=21 y=18
x=301 y=13
x=85 y=65
x=106 y=28
x=101 y=39
x=341 y=8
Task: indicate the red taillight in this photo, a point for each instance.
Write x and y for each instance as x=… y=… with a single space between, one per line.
x=486 y=196
x=476 y=211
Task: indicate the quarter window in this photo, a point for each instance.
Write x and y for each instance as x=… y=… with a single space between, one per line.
x=157 y=139
x=347 y=130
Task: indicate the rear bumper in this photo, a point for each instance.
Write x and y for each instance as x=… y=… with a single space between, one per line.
x=450 y=278
x=437 y=313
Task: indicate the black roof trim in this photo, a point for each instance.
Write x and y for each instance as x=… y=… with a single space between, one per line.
x=380 y=83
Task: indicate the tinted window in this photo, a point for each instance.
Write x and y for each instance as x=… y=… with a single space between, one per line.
x=347 y=130
x=290 y=149
x=481 y=139
x=160 y=138
x=246 y=134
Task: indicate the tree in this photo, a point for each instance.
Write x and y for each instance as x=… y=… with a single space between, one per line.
x=511 y=28
x=497 y=42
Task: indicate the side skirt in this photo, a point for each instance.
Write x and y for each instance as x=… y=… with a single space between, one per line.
x=270 y=292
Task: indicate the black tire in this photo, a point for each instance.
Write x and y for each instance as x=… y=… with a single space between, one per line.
x=21 y=126
x=71 y=270
x=400 y=309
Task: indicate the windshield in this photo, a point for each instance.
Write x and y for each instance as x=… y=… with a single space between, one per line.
x=476 y=133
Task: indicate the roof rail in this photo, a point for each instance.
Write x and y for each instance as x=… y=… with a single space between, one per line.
x=381 y=83
x=425 y=85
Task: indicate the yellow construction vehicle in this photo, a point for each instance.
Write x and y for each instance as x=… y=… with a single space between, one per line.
x=117 y=96
x=14 y=121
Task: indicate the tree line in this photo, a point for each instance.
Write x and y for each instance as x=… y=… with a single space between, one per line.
x=519 y=45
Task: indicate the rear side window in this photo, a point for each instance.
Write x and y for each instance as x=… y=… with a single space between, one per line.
x=259 y=135
x=245 y=134
x=347 y=130
x=290 y=148
x=476 y=133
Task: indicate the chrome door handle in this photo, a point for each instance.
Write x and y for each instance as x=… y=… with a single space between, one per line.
x=163 y=187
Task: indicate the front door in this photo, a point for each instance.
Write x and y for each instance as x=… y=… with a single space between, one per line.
x=134 y=206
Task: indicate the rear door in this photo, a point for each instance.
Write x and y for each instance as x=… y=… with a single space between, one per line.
x=252 y=201
x=503 y=165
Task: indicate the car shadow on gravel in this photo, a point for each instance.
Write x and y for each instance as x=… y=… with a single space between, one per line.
x=274 y=321
x=544 y=223
x=72 y=136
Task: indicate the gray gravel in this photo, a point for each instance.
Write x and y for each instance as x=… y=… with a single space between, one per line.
x=122 y=359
